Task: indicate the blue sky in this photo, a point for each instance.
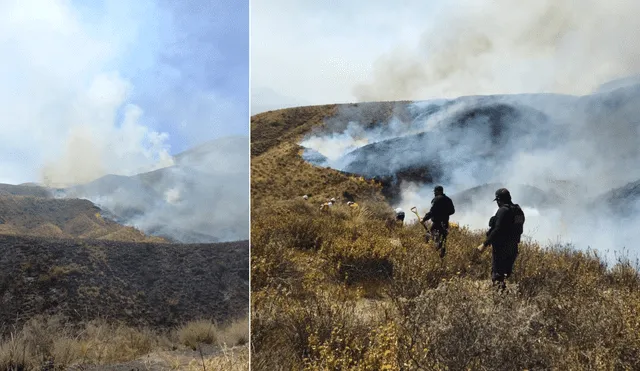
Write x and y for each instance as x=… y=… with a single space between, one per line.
x=117 y=86
x=185 y=50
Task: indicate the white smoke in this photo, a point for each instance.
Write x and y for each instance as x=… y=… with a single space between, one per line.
x=74 y=78
x=503 y=47
x=97 y=144
x=172 y=195
x=569 y=148
x=64 y=108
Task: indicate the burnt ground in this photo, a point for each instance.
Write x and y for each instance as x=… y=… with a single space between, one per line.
x=140 y=284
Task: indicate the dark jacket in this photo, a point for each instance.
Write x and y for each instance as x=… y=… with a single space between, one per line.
x=503 y=230
x=441 y=208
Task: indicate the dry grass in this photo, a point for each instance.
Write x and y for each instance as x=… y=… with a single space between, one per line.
x=235 y=334
x=207 y=332
x=274 y=127
x=236 y=359
x=62 y=218
x=350 y=291
x=48 y=341
x=198 y=332
x=333 y=291
x=45 y=341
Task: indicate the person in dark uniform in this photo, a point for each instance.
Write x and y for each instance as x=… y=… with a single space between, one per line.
x=505 y=231
x=441 y=208
x=399 y=215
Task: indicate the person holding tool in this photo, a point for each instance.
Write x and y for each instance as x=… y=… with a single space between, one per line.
x=441 y=209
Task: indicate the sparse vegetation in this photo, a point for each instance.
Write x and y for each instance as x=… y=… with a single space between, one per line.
x=142 y=284
x=50 y=342
x=119 y=296
x=349 y=290
x=41 y=216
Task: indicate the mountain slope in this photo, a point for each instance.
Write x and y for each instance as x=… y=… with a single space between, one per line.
x=150 y=284
x=360 y=292
x=201 y=199
x=62 y=218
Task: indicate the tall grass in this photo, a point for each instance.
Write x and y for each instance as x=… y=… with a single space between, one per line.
x=50 y=343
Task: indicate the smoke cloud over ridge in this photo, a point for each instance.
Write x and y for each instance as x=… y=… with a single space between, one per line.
x=504 y=47
x=375 y=50
x=97 y=98
x=570 y=161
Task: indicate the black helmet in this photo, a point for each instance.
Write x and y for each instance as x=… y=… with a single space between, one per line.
x=503 y=194
x=438 y=189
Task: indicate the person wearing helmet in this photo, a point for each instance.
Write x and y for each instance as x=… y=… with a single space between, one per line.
x=332 y=201
x=305 y=197
x=441 y=208
x=505 y=231
x=399 y=215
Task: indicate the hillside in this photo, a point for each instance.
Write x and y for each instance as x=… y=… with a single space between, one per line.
x=62 y=218
x=128 y=271
x=141 y=284
x=361 y=293
x=103 y=304
x=200 y=199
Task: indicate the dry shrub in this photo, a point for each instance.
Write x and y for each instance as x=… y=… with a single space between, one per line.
x=48 y=341
x=272 y=266
x=463 y=326
x=325 y=332
x=197 y=332
x=235 y=359
x=207 y=332
x=361 y=260
x=625 y=274
x=235 y=333
x=556 y=269
x=564 y=308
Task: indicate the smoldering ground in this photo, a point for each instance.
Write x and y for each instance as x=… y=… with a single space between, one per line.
x=569 y=160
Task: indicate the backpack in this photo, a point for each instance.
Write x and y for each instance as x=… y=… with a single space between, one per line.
x=452 y=209
x=518 y=219
x=492 y=224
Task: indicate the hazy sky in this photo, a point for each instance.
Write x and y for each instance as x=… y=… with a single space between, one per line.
x=305 y=52
x=318 y=52
x=117 y=86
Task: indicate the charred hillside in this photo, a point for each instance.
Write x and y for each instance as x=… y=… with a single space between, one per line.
x=141 y=284
x=480 y=132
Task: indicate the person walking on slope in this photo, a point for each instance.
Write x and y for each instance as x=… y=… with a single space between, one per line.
x=505 y=230
x=399 y=215
x=441 y=208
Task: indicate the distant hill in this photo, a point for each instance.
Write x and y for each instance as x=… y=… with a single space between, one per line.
x=62 y=218
x=201 y=199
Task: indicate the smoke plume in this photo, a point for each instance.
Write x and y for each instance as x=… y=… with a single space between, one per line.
x=504 y=47
x=96 y=96
x=568 y=160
